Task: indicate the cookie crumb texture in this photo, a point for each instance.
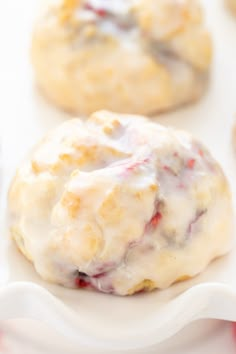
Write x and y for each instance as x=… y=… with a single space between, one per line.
x=142 y=56
x=120 y=204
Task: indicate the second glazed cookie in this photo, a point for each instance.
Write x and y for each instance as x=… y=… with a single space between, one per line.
x=140 y=56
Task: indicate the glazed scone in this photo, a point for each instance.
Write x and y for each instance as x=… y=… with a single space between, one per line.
x=120 y=204
x=130 y=56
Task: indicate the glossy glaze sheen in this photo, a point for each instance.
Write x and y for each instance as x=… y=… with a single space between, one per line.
x=120 y=204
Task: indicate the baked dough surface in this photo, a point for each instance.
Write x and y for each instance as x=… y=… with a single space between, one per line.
x=120 y=204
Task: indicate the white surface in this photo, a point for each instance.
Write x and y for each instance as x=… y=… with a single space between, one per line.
x=211 y=337
x=25 y=116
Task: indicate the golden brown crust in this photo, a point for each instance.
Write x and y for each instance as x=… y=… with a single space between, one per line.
x=146 y=285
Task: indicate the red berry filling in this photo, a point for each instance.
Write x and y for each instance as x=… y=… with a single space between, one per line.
x=191 y=163
x=154 y=222
x=99 y=12
x=201 y=153
x=136 y=164
x=82 y=280
x=100 y=275
x=81 y=283
x=156 y=219
x=168 y=169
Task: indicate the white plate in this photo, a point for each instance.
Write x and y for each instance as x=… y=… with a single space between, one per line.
x=205 y=336
x=98 y=320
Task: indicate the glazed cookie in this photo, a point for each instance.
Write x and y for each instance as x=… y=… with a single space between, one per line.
x=120 y=204
x=131 y=56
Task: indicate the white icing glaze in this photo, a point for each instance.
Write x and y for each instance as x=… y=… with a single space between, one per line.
x=122 y=201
